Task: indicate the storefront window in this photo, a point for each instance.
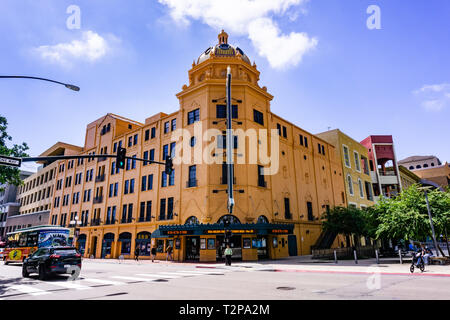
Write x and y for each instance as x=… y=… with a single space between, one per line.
x=160 y=246
x=211 y=244
x=247 y=243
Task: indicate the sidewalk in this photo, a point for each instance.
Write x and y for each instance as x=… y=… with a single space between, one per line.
x=387 y=266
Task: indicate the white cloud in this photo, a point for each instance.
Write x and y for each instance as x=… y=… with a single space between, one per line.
x=434 y=97
x=253 y=19
x=91 y=48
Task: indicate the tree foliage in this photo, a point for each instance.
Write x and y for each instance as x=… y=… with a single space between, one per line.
x=406 y=216
x=9 y=174
x=347 y=221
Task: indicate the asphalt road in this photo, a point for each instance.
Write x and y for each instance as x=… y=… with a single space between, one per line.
x=110 y=280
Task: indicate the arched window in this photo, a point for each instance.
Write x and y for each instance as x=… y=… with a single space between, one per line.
x=432 y=164
x=418 y=166
x=262 y=219
x=125 y=238
x=192 y=220
x=425 y=165
x=232 y=219
x=411 y=168
x=143 y=243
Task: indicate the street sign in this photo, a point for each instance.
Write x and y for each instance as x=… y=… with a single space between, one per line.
x=10 y=161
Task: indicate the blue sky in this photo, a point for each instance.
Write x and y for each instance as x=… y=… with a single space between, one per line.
x=318 y=58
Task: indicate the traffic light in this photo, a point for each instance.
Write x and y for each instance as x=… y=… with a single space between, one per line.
x=169 y=166
x=121 y=156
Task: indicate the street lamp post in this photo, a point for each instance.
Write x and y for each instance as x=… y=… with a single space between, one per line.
x=425 y=189
x=75 y=223
x=67 y=85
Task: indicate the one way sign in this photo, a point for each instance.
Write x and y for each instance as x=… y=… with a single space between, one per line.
x=10 y=161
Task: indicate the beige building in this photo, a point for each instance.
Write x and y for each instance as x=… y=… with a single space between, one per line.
x=428 y=168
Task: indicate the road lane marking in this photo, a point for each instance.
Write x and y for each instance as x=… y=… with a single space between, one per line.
x=159 y=276
x=180 y=275
x=132 y=278
x=200 y=272
x=29 y=290
x=101 y=281
x=69 y=285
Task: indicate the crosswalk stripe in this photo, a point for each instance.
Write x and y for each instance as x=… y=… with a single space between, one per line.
x=101 y=281
x=180 y=274
x=29 y=290
x=132 y=278
x=69 y=285
x=199 y=272
x=158 y=276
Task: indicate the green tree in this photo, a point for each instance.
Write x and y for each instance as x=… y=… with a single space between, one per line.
x=347 y=221
x=9 y=174
x=406 y=216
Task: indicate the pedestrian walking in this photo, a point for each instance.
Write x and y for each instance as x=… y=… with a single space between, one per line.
x=169 y=253
x=228 y=253
x=153 y=252
x=136 y=253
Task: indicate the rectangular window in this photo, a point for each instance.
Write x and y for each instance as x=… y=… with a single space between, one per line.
x=162 y=210
x=361 y=188
x=165 y=151
x=169 y=208
x=132 y=186
x=164 y=179
x=116 y=188
x=261 y=182
x=323 y=149
x=147 y=134
x=130 y=213
x=172 y=149
x=111 y=190
x=287 y=209
x=130 y=141
x=284 y=132
x=124 y=213
x=145 y=156
x=258 y=117
x=192 y=182
x=144 y=183
x=153 y=133
x=310 y=211
x=173 y=124
x=172 y=178
x=125 y=190
x=135 y=140
x=166 y=127
x=142 y=212
x=150 y=182
x=279 y=129
x=148 y=214
x=152 y=155
x=133 y=163
x=193 y=116
x=221 y=111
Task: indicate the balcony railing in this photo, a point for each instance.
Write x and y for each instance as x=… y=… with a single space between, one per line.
x=95 y=222
x=191 y=183
x=100 y=178
x=98 y=199
x=387 y=173
x=288 y=215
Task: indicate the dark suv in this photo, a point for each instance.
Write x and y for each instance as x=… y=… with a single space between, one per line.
x=52 y=260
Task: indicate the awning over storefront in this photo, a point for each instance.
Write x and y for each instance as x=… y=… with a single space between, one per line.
x=158 y=234
x=219 y=228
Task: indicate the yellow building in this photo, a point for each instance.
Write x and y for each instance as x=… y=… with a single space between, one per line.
x=355 y=166
x=276 y=214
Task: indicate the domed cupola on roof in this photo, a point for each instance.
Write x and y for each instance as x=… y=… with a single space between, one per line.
x=223 y=49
